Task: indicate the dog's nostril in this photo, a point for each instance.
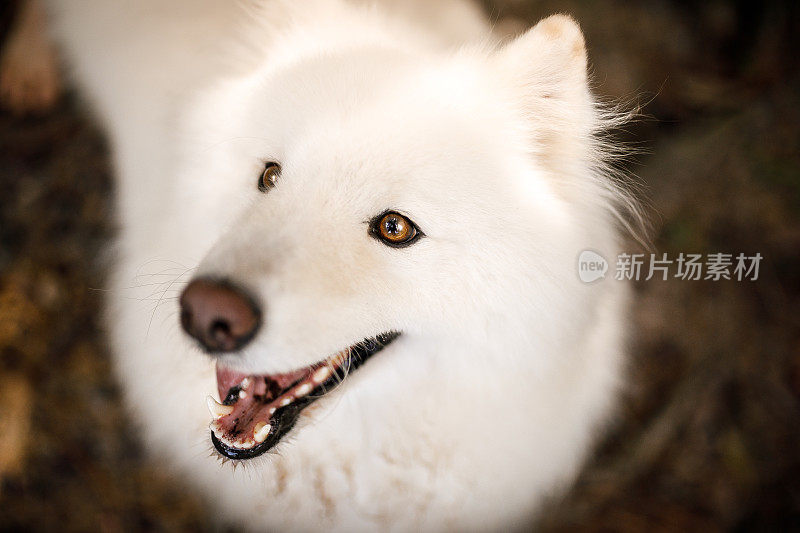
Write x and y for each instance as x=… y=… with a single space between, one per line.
x=220 y=331
x=221 y=316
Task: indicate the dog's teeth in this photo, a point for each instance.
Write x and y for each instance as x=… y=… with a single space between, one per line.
x=261 y=431
x=321 y=374
x=242 y=394
x=245 y=383
x=216 y=409
x=302 y=390
x=286 y=401
x=271 y=411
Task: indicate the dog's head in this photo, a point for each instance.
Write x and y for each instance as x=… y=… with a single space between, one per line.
x=367 y=200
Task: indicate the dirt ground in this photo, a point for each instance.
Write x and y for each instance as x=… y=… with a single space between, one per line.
x=708 y=436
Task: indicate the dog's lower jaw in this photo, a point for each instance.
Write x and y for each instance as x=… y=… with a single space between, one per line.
x=427 y=465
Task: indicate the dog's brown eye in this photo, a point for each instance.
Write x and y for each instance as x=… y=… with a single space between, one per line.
x=269 y=176
x=394 y=229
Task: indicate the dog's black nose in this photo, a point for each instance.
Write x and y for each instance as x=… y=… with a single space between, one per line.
x=222 y=317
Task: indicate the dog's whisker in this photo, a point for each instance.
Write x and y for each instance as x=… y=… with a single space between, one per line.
x=173 y=282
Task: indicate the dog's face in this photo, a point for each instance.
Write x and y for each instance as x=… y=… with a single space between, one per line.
x=369 y=200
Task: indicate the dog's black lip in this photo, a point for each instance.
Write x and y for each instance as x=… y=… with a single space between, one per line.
x=285 y=417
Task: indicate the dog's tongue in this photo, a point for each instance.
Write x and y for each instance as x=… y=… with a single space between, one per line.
x=227 y=378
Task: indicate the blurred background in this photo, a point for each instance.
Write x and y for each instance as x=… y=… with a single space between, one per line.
x=708 y=436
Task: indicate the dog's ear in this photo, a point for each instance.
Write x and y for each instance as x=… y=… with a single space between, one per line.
x=545 y=68
x=548 y=61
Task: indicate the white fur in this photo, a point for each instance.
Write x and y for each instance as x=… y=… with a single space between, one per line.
x=507 y=364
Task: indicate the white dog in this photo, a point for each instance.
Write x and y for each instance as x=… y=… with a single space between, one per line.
x=370 y=217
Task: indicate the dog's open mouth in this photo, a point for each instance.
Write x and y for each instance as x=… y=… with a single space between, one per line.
x=258 y=410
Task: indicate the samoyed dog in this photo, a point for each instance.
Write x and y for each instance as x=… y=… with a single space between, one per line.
x=350 y=231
